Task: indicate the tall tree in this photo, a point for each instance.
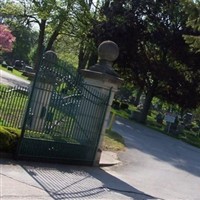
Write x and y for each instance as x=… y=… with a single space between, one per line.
x=53 y=18
x=25 y=36
x=193 y=10
x=152 y=49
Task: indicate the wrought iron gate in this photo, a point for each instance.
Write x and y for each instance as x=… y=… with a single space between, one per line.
x=64 y=116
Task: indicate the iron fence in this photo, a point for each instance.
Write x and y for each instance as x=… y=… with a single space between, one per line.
x=64 y=116
x=13 y=102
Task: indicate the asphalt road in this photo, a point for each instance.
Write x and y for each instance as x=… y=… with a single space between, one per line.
x=156 y=164
x=12 y=80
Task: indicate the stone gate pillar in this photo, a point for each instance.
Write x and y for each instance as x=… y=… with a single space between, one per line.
x=42 y=93
x=104 y=78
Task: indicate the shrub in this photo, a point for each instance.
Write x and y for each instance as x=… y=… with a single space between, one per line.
x=124 y=106
x=8 y=138
x=116 y=104
x=4 y=64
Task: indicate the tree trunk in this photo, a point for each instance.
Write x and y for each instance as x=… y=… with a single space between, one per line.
x=54 y=36
x=82 y=57
x=40 y=47
x=52 y=40
x=147 y=103
x=138 y=95
x=92 y=59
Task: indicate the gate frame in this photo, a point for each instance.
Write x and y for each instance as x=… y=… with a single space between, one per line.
x=100 y=76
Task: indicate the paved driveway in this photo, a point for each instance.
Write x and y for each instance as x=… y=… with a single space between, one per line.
x=12 y=80
x=157 y=164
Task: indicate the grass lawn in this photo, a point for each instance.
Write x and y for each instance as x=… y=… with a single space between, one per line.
x=14 y=72
x=12 y=106
x=112 y=141
x=187 y=136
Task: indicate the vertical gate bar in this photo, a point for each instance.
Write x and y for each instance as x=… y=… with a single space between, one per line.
x=2 y=112
x=27 y=112
x=23 y=105
x=5 y=106
x=14 y=107
x=9 y=107
x=17 y=109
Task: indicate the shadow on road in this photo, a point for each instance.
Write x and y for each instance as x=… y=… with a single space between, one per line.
x=162 y=147
x=78 y=182
x=75 y=182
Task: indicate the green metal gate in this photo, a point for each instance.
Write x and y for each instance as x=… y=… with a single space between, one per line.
x=64 y=116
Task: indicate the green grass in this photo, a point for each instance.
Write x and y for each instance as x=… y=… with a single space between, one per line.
x=9 y=137
x=187 y=136
x=122 y=113
x=113 y=141
x=12 y=106
x=14 y=72
x=57 y=138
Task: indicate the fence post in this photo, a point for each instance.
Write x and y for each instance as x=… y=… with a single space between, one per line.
x=104 y=78
x=43 y=90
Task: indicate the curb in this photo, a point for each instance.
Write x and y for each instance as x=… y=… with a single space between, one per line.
x=108 y=159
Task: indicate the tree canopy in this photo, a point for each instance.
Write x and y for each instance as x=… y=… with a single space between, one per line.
x=150 y=34
x=54 y=19
x=153 y=53
x=193 y=10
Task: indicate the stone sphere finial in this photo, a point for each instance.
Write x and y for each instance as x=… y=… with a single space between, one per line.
x=108 y=50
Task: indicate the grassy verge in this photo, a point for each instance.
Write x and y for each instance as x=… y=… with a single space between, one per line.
x=14 y=72
x=122 y=113
x=113 y=141
x=189 y=137
x=126 y=113
x=9 y=136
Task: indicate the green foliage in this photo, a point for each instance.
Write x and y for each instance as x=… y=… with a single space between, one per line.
x=156 y=59
x=8 y=138
x=122 y=113
x=193 y=10
x=190 y=138
x=8 y=9
x=57 y=21
x=11 y=14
